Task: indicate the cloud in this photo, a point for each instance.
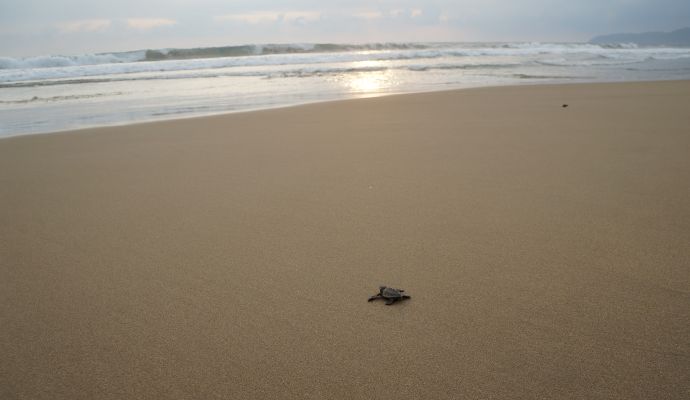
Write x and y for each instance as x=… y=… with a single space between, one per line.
x=84 y=25
x=368 y=14
x=149 y=23
x=301 y=17
x=249 y=18
x=270 y=17
x=397 y=13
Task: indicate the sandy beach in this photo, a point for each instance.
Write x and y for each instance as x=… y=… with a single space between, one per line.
x=546 y=250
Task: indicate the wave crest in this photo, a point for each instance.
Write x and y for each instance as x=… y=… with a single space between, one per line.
x=69 y=61
x=389 y=51
x=54 y=61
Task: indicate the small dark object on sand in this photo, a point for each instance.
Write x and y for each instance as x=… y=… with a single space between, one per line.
x=565 y=105
x=390 y=295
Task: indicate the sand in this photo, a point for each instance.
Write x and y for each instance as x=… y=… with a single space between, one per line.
x=546 y=249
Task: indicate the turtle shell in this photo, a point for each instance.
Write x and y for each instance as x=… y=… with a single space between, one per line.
x=390 y=293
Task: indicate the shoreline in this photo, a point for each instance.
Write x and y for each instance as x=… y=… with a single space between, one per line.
x=361 y=97
x=231 y=256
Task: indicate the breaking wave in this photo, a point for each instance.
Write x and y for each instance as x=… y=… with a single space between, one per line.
x=255 y=50
x=70 y=61
x=107 y=66
x=388 y=51
x=53 y=61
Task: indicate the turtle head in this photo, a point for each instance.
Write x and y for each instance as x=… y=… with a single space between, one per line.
x=381 y=289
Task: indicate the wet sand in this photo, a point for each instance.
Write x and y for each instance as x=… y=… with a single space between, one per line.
x=546 y=250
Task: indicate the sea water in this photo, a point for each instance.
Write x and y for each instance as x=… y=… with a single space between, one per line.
x=53 y=93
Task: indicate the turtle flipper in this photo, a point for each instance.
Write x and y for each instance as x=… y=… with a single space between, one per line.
x=374 y=297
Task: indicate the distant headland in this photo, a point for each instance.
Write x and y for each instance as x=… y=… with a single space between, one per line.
x=677 y=38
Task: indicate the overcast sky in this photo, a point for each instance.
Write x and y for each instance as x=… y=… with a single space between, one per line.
x=35 y=27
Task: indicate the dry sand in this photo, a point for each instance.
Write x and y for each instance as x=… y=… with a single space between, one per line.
x=546 y=249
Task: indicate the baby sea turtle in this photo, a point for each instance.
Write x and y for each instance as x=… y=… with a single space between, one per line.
x=389 y=294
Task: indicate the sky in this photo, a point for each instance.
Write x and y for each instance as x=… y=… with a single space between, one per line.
x=41 y=27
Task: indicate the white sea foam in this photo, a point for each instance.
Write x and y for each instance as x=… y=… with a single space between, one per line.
x=37 y=69
x=50 y=61
x=68 y=61
x=98 y=89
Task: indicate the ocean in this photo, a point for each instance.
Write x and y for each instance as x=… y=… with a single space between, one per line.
x=54 y=93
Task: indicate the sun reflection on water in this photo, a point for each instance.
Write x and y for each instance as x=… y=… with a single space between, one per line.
x=369 y=82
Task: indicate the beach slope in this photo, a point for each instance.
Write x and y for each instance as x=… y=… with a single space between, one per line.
x=546 y=250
